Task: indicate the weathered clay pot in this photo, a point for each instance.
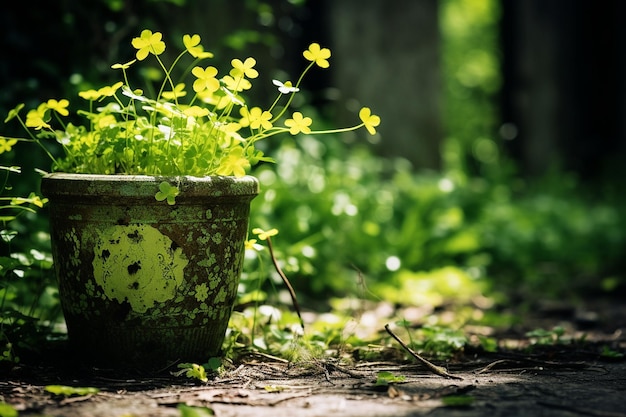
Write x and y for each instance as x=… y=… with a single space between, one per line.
x=143 y=283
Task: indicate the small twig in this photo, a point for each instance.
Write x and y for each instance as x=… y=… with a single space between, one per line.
x=438 y=370
x=529 y=363
x=71 y=400
x=268 y=356
x=292 y=293
x=493 y=365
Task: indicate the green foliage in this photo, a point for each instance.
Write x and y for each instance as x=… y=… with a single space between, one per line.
x=6 y=410
x=167 y=192
x=67 y=391
x=215 y=364
x=182 y=125
x=195 y=371
x=189 y=411
x=28 y=295
x=427 y=237
x=192 y=370
x=488 y=344
x=458 y=400
x=609 y=353
x=472 y=77
x=438 y=341
x=546 y=337
x=385 y=378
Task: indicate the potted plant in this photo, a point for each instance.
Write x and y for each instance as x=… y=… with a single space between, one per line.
x=149 y=203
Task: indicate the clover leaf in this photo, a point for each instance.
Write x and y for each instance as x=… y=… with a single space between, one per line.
x=167 y=192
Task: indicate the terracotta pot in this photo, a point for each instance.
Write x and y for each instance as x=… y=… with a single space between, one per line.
x=143 y=283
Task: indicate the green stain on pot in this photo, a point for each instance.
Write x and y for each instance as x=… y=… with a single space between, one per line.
x=72 y=237
x=217 y=238
x=210 y=260
x=221 y=295
x=139 y=265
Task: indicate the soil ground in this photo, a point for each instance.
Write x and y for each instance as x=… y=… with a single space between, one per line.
x=559 y=379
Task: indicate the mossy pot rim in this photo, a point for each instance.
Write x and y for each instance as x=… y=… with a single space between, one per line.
x=60 y=184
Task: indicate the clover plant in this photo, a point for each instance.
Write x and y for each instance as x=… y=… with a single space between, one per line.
x=197 y=124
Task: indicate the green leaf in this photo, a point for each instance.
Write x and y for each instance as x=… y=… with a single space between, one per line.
x=7 y=411
x=167 y=192
x=214 y=363
x=458 y=400
x=607 y=352
x=67 y=391
x=192 y=370
x=489 y=344
x=8 y=235
x=385 y=378
x=188 y=411
x=14 y=112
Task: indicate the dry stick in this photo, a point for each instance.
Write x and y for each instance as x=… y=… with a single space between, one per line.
x=292 y=293
x=431 y=367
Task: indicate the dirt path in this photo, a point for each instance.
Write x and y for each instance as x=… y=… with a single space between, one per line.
x=570 y=379
x=498 y=386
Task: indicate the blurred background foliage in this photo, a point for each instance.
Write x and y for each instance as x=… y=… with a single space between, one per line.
x=351 y=222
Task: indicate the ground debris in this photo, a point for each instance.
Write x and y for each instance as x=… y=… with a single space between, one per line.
x=557 y=379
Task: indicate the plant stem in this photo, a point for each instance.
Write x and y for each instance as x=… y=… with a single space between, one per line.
x=292 y=293
x=438 y=370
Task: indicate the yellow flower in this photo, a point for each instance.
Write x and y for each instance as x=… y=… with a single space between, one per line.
x=236 y=84
x=256 y=118
x=234 y=164
x=205 y=79
x=250 y=244
x=246 y=68
x=196 y=111
x=6 y=144
x=147 y=43
x=263 y=235
x=35 y=118
x=90 y=95
x=109 y=90
x=179 y=91
x=192 y=44
x=59 y=106
x=318 y=55
x=102 y=121
x=370 y=121
x=36 y=200
x=216 y=99
x=298 y=124
x=123 y=66
x=32 y=198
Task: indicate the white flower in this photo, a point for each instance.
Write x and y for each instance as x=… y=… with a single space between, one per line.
x=285 y=88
